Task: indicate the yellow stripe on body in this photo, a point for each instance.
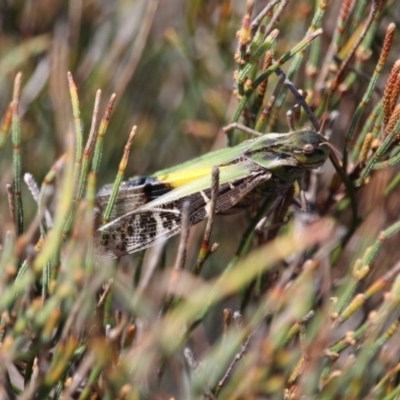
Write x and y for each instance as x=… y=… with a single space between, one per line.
x=180 y=178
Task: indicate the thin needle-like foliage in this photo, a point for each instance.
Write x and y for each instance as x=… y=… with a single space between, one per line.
x=297 y=296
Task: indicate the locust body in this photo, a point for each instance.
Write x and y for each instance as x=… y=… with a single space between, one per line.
x=149 y=209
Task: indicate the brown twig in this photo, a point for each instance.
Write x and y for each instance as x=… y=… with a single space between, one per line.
x=205 y=245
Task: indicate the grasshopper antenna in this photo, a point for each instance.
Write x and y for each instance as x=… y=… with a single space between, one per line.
x=300 y=97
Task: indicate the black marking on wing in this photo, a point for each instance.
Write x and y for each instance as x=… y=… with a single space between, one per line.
x=132 y=194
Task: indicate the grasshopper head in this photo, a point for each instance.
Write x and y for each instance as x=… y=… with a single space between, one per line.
x=310 y=149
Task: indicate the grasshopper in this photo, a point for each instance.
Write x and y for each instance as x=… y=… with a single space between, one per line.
x=149 y=209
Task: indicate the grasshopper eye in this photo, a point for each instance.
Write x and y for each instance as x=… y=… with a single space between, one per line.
x=308 y=149
x=304 y=149
x=311 y=154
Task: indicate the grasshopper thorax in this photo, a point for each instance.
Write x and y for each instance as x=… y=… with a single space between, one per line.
x=302 y=149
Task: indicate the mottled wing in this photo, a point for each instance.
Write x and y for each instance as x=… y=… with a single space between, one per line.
x=147 y=225
x=138 y=230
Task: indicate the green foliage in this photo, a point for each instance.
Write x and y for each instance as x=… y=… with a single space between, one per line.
x=295 y=304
